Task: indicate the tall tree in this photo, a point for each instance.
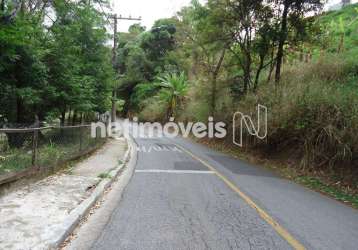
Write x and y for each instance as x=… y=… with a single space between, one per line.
x=207 y=51
x=142 y=56
x=23 y=73
x=243 y=29
x=295 y=9
x=53 y=57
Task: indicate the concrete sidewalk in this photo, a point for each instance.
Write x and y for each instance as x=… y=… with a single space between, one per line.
x=30 y=215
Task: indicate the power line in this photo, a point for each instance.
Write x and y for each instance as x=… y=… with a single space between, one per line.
x=104 y=13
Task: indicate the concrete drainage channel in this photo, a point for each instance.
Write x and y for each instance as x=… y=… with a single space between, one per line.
x=124 y=171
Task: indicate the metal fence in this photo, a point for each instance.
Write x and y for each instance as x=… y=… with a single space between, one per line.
x=25 y=151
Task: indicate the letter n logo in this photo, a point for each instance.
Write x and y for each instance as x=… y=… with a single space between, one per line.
x=240 y=120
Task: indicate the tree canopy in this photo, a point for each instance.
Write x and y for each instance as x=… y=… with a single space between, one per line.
x=53 y=59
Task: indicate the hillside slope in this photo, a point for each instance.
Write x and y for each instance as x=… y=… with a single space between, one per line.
x=341 y=27
x=313 y=114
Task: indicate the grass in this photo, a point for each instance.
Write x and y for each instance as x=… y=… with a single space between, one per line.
x=342 y=22
x=55 y=147
x=312 y=115
x=105 y=176
x=15 y=160
x=335 y=192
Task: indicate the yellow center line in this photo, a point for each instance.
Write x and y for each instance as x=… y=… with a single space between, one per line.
x=277 y=227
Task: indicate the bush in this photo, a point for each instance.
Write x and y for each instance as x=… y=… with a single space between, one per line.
x=153 y=110
x=314 y=110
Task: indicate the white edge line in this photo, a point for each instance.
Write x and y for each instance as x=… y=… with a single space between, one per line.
x=173 y=171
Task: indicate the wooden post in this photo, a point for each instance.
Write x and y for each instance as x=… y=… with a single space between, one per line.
x=35 y=138
x=114 y=58
x=81 y=138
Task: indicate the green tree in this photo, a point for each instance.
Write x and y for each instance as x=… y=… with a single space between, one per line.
x=53 y=59
x=23 y=73
x=80 y=68
x=294 y=10
x=246 y=28
x=141 y=57
x=173 y=88
x=206 y=50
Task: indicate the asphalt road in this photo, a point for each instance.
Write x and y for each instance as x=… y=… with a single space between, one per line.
x=186 y=196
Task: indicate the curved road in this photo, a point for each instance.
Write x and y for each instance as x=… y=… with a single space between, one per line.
x=186 y=196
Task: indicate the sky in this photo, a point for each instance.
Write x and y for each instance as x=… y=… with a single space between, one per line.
x=333 y=2
x=151 y=10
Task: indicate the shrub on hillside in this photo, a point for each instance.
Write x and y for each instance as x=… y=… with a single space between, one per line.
x=314 y=110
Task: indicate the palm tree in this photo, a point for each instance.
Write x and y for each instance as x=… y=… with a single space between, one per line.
x=173 y=89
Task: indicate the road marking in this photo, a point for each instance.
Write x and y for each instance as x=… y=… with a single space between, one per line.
x=277 y=227
x=157 y=148
x=173 y=171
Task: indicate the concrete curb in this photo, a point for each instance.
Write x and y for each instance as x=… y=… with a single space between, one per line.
x=60 y=233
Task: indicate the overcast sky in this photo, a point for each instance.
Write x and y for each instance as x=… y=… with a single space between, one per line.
x=151 y=10
x=332 y=2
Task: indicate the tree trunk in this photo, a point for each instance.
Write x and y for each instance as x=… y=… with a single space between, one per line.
x=215 y=74
x=272 y=64
x=126 y=94
x=74 y=118
x=247 y=72
x=69 y=117
x=194 y=68
x=114 y=108
x=258 y=72
x=63 y=117
x=272 y=67
x=19 y=113
x=281 y=43
x=170 y=108
x=213 y=96
x=246 y=80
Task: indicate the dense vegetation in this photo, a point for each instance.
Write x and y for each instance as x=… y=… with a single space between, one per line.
x=53 y=60
x=210 y=59
x=288 y=55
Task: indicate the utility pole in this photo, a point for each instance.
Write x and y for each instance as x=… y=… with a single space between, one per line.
x=114 y=56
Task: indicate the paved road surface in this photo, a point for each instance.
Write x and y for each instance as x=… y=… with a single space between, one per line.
x=174 y=201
